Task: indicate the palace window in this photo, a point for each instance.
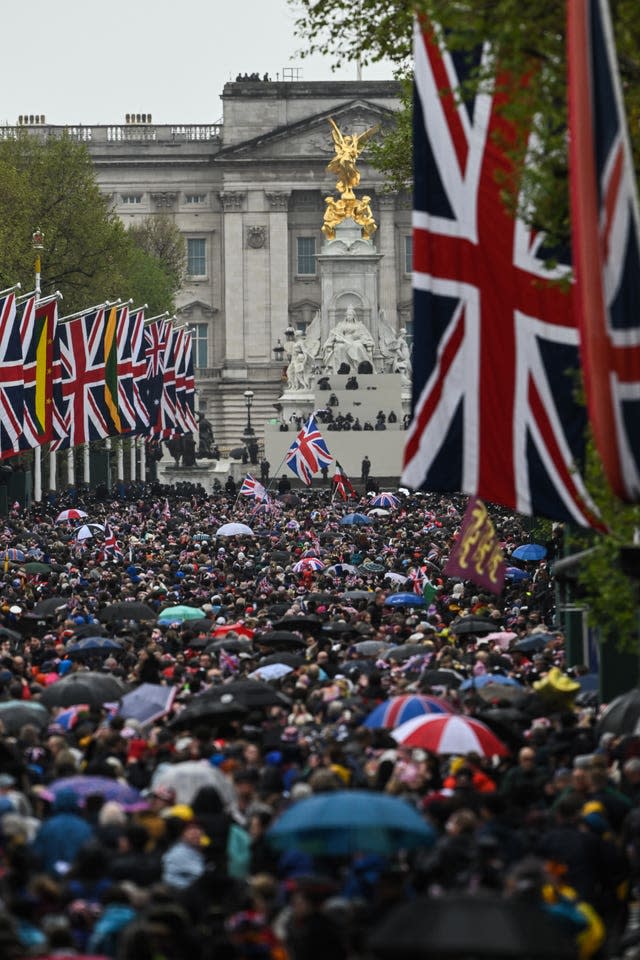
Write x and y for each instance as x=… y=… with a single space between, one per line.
x=408 y=254
x=194 y=198
x=130 y=199
x=200 y=341
x=196 y=257
x=306 y=256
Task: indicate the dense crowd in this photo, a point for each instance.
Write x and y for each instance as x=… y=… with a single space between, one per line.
x=135 y=815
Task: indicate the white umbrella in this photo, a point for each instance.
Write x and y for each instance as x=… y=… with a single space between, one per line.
x=71 y=514
x=378 y=512
x=234 y=530
x=395 y=577
x=88 y=530
x=187 y=777
x=271 y=671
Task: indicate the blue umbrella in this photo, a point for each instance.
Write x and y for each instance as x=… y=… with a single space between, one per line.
x=516 y=574
x=342 y=822
x=486 y=678
x=147 y=703
x=530 y=551
x=85 y=786
x=92 y=646
x=357 y=519
x=405 y=600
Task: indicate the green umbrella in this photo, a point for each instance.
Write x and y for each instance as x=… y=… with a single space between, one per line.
x=34 y=566
x=181 y=612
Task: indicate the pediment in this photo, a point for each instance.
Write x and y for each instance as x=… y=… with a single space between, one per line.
x=196 y=310
x=309 y=138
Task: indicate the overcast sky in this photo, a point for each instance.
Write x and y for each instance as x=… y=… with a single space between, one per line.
x=87 y=61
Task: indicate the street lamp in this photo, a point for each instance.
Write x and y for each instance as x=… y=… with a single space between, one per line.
x=248 y=399
x=278 y=351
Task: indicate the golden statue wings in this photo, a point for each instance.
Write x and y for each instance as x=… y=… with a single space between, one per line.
x=348 y=148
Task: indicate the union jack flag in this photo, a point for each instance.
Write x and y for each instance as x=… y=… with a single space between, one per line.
x=166 y=425
x=110 y=546
x=155 y=342
x=606 y=243
x=11 y=377
x=132 y=369
x=38 y=338
x=308 y=453
x=253 y=488
x=83 y=408
x=185 y=387
x=189 y=379
x=495 y=344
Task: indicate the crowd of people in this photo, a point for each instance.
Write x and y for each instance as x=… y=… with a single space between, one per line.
x=133 y=833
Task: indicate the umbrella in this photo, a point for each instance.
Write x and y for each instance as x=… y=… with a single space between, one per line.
x=450 y=733
x=200 y=625
x=358 y=595
x=342 y=569
x=516 y=574
x=589 y=682
x=339 y=628
x=270 y=671
x=499 y=679
x=72 y=514
x=280 y=640
x=46 y=608
x=370 y=566
x=385 y=499
x=472 y=624
x=396 y=577
x=204 y=711
x=147 y=703
x=87 y=786
x=234 y=530
x=355 y=519
x=14 y=714
x=292 y=660
x=371 y=648
x=181 y=612
x=304 y=622
x=89 y=687
x=407 y=650
x=622 y=716
x=228 y=644
x=308 y=563
x=378 y=512
x=89 y=630
x=534 y=642
x=290 y=499
x=15 y=555
x=126 y=610
x=395 y=711
x=471 y=925
x=495 y=692
x=8 y=634
x=36 y=567
x=89 y=530
x=344 y=822
x=241 y=629
x=405 y=600
x=92 y=647
x=253 y=694
x=442 y=677
x=530 y=551
x=188 y=777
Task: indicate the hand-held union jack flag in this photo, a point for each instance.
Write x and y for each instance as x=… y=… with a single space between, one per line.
x=606 y=243
x=494 y=341
x=253 y=488
x=308 y=453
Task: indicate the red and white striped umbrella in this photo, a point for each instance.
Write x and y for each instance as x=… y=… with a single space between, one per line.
x=445 y=734
x=308 y=563
x=71 y=514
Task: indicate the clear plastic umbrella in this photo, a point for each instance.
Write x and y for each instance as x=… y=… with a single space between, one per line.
x=188 y=777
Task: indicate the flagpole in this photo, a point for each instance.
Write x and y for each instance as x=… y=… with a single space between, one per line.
x=143 y=461
x=120 y=459
x=16 y=286
x=132 y=458
x=96 y=306
x=86 y=464
x=37 y=239
x=71 y=467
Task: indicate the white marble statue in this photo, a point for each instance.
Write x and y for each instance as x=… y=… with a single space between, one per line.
x=300 y=369
x=393 y=347
x=348 y=342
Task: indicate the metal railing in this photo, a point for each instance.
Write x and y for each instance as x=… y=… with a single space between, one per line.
x=121 y=133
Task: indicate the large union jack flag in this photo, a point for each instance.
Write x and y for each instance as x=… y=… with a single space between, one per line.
x=606 y=243
x=38 y=337
x=495 y=346
x=155 y=342
x=308 y=453
x=11 y=377
x=82 y=380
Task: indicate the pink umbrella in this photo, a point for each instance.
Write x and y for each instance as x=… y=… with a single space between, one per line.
x=502 y=637
x=448 y=734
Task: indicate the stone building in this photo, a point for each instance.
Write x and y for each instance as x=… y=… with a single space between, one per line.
x=248 y=195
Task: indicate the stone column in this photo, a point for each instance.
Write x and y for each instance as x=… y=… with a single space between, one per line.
x=278 y=263
x=385 y=240
x=233 y=271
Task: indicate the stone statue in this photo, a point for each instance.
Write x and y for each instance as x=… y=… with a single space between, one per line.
x=205 y=437
x=348 y=343
x=300 y=369
x=348 y=148
x=393 y=347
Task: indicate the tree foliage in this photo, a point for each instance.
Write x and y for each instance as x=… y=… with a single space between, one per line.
x=159 y=237
x=50 y=184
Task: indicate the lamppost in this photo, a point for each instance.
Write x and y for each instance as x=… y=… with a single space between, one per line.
x=248 y=399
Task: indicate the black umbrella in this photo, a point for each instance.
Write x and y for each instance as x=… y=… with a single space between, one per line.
x=441 y=678
x=279 y=640
x=89 y=630
x=466 y=925
x=279 y=609
x=46 y=608
x=205 y=710
x=251 y=693
x=92 y=647
x=350 y=667
x=7 y=634
x=533 y=643
x=292 y=660
x=406 y=651
x=339 y=629
x=622 y=715
x=230 y=645
x=280 y=556
x=204 y=624
x=322 y=597
x=472 y=625
x=89 y=687
x=290 y=499
x=358 y=595
x=299 y=622
x=14 y=714
x=127 y=610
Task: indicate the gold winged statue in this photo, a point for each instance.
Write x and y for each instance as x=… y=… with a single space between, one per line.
x=348 y=148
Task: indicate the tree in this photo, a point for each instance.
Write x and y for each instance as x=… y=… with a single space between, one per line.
x=159 y=237
x=88 y=254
